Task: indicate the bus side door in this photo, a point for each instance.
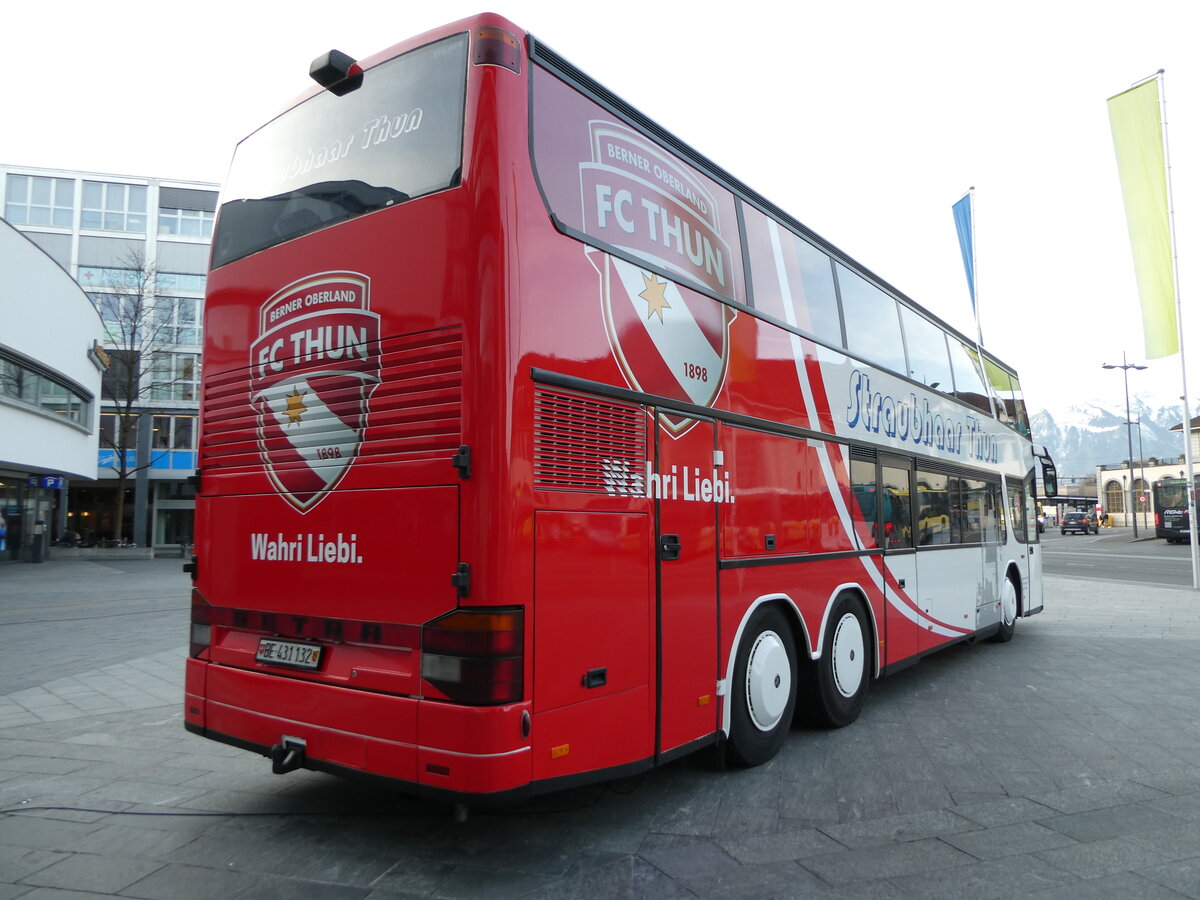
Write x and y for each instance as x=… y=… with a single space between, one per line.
x=687 y=583
x=1033 y=549
x=900 y=557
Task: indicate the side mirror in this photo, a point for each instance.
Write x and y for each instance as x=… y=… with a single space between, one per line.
x=1049 y=477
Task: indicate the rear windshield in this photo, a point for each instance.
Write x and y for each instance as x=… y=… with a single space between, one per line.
x=330 y=159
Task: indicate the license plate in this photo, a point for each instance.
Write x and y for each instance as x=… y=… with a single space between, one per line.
x=288 y=653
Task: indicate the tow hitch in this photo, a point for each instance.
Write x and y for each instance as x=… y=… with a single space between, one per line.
x=287 y=756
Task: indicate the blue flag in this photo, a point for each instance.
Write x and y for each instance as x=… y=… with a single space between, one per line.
x=966 y=242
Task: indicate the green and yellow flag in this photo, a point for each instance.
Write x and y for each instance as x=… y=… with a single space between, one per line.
x=1141 y=163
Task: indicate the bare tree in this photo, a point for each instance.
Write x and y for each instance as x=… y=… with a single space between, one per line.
x=142 y=333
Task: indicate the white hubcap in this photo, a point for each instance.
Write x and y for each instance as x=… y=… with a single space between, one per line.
x=1008 y=602
x=768 y=681
x=849 y=655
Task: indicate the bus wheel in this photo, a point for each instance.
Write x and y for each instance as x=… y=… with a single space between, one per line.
x=1008 y=612
x=763 y=691
x=844 y=669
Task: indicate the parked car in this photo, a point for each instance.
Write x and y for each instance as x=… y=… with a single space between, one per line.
x=1077 y=521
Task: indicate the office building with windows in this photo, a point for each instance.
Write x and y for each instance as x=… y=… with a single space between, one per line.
x=138 y=247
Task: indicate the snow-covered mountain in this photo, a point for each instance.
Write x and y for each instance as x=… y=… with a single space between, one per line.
x=1086 y=435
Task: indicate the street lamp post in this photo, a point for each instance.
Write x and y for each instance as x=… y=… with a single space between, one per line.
x=1143 y=499
x=1126 y=366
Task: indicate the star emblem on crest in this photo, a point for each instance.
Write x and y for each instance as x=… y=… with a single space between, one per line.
x=655 y=296
x=295 y=407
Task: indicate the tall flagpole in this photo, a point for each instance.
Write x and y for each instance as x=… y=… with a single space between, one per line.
x=1187 y=417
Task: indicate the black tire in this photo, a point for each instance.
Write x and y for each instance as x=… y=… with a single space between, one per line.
x=841 y=675
x=1064 y=531
x=1010 y=603
x=763 y=692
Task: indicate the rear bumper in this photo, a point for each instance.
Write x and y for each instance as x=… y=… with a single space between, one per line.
x=480 y=751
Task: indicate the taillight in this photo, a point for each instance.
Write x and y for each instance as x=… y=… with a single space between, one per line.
x=201 y=636
x=1158 y=520
x=496 y=47
x=476 y=656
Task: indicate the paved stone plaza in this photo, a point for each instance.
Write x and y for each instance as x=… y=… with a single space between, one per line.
x=1064 y=764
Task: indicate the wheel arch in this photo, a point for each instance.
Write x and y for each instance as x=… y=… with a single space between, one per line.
x=855 y=589
x=1013 y=572
x=801 y=635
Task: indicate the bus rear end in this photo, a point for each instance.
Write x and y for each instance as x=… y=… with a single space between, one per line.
x=1171 y=520
x=335 y=624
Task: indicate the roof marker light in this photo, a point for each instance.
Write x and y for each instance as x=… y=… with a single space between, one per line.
x=496 y=47
x=337 y=72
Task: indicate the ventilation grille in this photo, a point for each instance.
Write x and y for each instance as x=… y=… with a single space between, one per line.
x=588 y=445
x=414 y=413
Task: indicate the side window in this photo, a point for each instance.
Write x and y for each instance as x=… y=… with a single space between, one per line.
x=1016 y=507
x=1031 y=534
x=896 y=494
x=867 y=497
x=970 y=502
x=955 y=509
x=1022 y=413
x=933 y=509
x=994 y=530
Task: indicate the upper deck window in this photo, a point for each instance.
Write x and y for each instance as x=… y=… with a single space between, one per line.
x=609 y=184
x=793 y=280
x=968 y=379
x=1010 y=408
x=332 y=158
x=872 y=322
x=928 y=357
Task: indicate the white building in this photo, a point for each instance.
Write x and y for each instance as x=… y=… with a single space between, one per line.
x=49 y=390
x=95 y=225
x=1113 y=483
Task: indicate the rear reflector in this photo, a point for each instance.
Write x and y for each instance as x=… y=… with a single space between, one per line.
x=476 y=656
x=201 y=633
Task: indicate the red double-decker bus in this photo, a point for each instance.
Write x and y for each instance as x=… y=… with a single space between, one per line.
x=536 y=448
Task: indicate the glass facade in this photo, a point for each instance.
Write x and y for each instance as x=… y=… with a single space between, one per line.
x=113 y=207
x=36 y=200
x=175 y=376
x=29 y=507
x=100 y=277
x=21 y=381
x=196 y=223
x=153 y=330
x=178 y=320
x=179 y=282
